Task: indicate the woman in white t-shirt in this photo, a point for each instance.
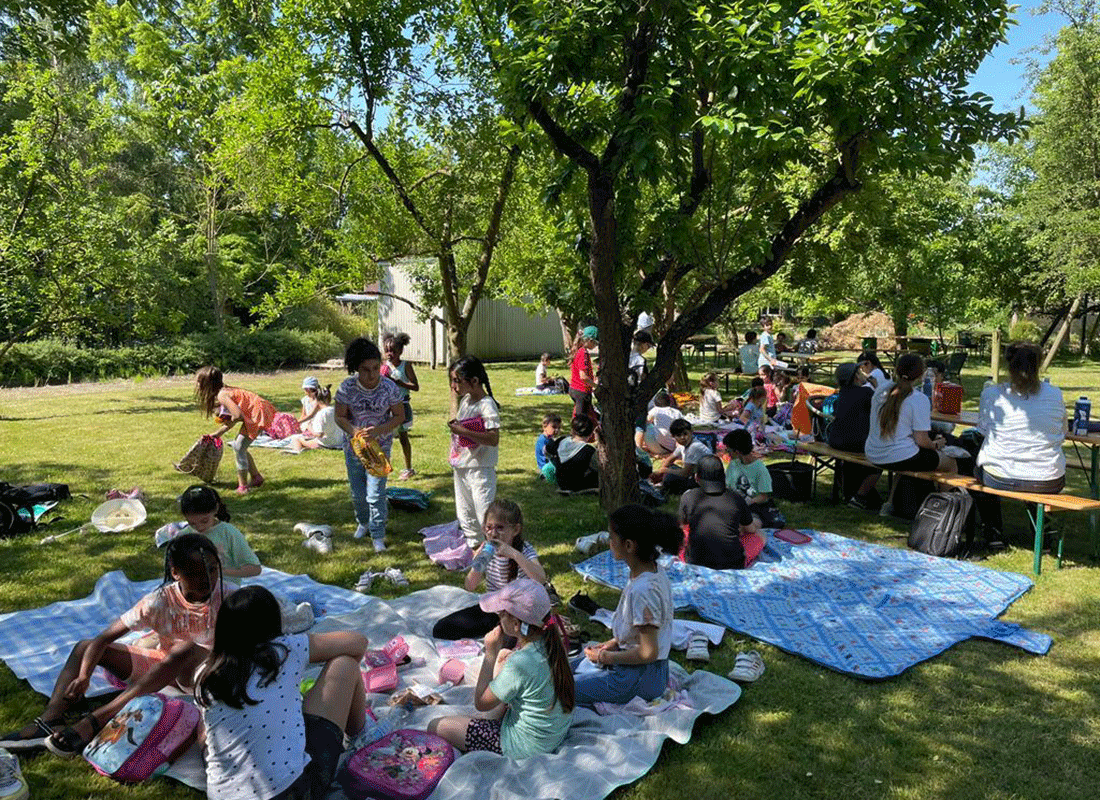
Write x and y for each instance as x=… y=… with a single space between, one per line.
x=1024 y=423
x=900 y=421
x=264 y=740
x=634 y=662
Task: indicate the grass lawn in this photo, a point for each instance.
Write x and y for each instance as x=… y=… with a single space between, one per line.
x=982 y=720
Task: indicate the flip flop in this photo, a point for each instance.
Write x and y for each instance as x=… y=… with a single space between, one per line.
x=747 y=667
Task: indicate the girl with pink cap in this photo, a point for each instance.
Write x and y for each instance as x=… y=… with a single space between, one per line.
x=528 y=689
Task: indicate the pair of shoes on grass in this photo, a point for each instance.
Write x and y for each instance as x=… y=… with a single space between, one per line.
x=317 y=537
x=698 y=648
x=391 y=574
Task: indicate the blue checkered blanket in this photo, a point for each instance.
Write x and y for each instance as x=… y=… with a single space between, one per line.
x=35 y=643
x=852 y=606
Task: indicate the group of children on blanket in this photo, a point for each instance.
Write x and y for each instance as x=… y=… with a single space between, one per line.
x=264 y=739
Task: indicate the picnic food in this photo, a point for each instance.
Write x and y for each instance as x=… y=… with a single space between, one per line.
x=366 y=449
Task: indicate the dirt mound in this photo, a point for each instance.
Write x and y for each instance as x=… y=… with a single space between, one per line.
x=848 y=334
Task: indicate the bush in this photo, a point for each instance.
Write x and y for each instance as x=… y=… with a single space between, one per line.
x=322 y=314
x=51 y=361
x=1024 y=331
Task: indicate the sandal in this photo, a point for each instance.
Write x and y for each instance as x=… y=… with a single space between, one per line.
x=242 y=489
x=67 y=743
x=14 y=742
x=697 y=649
x=748 y=667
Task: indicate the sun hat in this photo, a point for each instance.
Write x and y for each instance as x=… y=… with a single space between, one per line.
x=710 y=475
x=523 y=598
x=591 y=332
x=845 y=373
x=311 y=383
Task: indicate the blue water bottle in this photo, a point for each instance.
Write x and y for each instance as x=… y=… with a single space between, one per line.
x=1081 y=410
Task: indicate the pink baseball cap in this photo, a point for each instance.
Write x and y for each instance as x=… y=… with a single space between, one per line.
x=523 y=598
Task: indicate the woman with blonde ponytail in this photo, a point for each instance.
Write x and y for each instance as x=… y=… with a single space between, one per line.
x=901 y=417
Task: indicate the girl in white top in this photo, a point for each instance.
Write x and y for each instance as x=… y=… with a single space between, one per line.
x=636 y=658
x=711 y=408
x=900 y=421
x=1024 y=422
x=318 y=419
x=872 y=369
x=475 y=435
x=263 y=739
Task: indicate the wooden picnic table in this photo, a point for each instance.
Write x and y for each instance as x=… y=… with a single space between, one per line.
x=701 y=343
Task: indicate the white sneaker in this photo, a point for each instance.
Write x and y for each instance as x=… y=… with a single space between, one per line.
x=593 y=542
x=319 y=538
x=366 y=580
x=299 y=619
x=395 y=576
x=379 y=545
x=12 y=784
x=360 y=532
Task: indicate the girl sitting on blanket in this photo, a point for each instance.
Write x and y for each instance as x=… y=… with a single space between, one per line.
x=242 y=406
x=318 y=419
x=529 y=690
x=634 y=662
x=181 y=612
x=502 y=558
x=263 y=738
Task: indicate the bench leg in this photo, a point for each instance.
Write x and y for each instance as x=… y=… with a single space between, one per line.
x=1037 y=568
x=1094 y=485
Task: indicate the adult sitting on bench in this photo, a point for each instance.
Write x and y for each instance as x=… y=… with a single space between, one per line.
x=1024 y=424
x=848 y=432
x=900 y=420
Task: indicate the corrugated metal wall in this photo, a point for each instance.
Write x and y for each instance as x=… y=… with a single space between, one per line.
x=498 y=331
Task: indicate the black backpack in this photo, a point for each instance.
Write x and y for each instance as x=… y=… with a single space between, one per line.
x=939 y=524
x=16 y=499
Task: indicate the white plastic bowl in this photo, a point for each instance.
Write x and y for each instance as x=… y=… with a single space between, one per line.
x=115 y=516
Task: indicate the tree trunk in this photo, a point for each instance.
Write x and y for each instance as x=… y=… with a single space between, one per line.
x=900 y=318
x=1061 y=335
x=456 y=338
x=1085 y=326
x=211 y=258
x=618 y=472
x=568 y=328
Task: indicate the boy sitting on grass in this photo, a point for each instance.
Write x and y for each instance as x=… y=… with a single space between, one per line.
x=551 y=427
x=689 y=450
x=749 y=477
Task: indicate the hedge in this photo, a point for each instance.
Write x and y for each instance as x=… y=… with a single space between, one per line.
x=50 y=361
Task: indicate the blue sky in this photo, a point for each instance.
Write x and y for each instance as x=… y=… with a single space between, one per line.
x=1004 y=80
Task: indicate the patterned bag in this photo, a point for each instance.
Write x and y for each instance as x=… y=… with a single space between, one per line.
x=144 y=738
x=366 y=449
x=406 y=765
x=283 y=425
x=202 y=459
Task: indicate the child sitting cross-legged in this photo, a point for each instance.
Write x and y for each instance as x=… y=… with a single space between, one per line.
x=576 y=468
x=749 y=477
x=528 y=691
x=689 y=450
x=551 y=427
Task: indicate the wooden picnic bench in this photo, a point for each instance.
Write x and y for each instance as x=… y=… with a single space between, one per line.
x=825 y=457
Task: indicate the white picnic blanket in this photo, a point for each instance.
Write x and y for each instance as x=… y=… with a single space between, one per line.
x=599 y=754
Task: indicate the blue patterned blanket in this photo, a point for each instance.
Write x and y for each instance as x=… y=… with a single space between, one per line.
x=852 y=606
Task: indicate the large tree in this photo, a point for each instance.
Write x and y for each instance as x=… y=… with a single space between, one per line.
x=710 y=136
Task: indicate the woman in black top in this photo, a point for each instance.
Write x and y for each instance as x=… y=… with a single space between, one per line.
x=848 y=431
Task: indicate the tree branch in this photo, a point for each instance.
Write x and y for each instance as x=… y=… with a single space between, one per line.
x=492 y=232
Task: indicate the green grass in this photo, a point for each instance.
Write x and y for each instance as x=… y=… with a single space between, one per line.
x=983 y=719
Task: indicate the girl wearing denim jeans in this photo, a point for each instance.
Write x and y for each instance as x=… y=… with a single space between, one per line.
x=635 y=662
x=370 y=403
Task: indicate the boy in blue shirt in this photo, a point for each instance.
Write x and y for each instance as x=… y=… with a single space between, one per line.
x=551 y=426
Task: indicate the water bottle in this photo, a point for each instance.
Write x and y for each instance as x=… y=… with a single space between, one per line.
x=485 y=556
x=929 y=381
x=381 y=726
x=1081 y=410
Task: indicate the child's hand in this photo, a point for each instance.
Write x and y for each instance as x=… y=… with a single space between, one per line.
x=76 y=688
x=369 y=431
x=456 y=429
x=592 y=653
x=493 y=641
x=505 y=549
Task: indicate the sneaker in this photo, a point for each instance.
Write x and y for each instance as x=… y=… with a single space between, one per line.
x=366 y=580
x=319 y=538
x=298 y=619
x=855 y=501
x=12 y=784
x=887 y=510
x=591 y=543
x=395 y=576
x=406 y=474
x=379 y=545
x=360 y=532
x=698 y=648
